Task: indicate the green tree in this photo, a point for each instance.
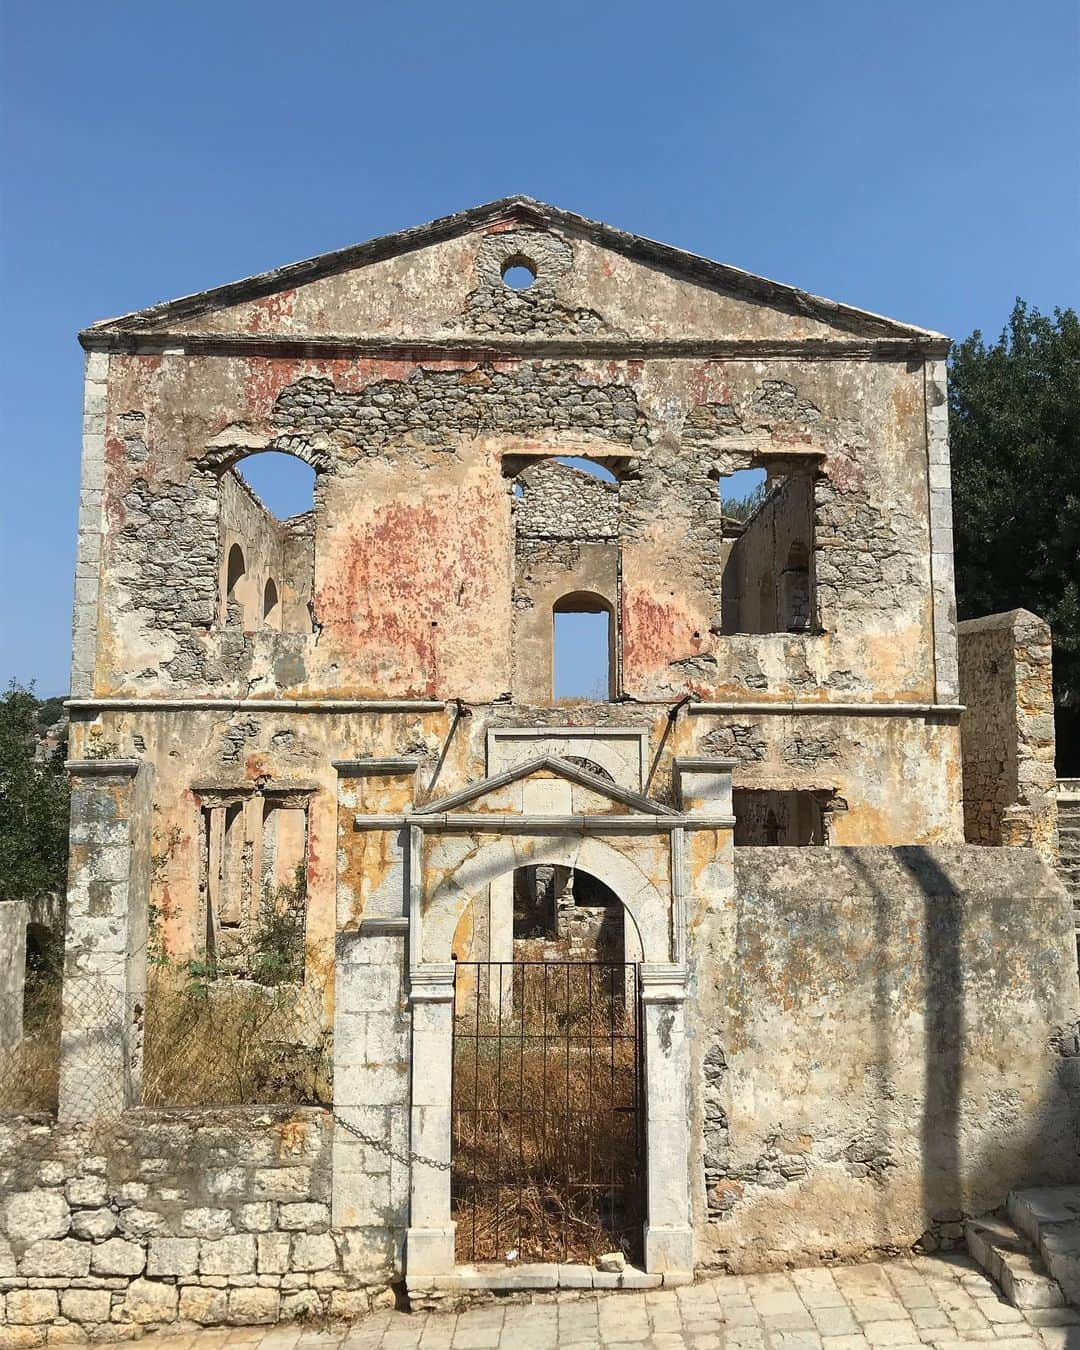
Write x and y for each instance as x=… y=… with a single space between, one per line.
x=1014 y=410
x=33 y=804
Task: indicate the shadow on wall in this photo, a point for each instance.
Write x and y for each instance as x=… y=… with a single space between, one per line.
x=942 y=923
x=966 y=968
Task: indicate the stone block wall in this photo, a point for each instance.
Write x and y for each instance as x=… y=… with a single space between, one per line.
x=1007 y=731
x=13 y=919
x=194 y=1217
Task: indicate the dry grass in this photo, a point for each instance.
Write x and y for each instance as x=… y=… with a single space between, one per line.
x=232 y=1042
x=30 y=1071
x=545 y=1143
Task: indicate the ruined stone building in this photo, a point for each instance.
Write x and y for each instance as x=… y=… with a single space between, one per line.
x=813 y=890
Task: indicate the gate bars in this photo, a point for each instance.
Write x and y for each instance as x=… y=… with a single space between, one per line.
x=547 y=1111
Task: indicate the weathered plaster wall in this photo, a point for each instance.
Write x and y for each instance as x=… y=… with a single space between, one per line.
x=406 y=451
x=1007 y=731
x=450 y=288
x=199 y=1216
x=898 y=776
x=875 y=1032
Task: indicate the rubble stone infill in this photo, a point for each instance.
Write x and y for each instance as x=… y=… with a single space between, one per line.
x=939 y=1303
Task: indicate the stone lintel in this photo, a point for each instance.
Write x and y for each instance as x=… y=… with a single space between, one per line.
x=103 y=768
x=529 y=824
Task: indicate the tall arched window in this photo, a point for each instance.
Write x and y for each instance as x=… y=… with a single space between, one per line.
x=271 y=607
x=236 y=570
x=584 y=642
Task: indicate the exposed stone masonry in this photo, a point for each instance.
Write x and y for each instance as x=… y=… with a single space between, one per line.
x=202 y=1216
x=494 y=307
x=435 y=407
x=560 y=501
x=1007 y=731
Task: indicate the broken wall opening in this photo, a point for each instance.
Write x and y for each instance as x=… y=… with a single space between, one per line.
x=268 y=553
x=780 y=817
x=243 y=1018
x=767 y=524
x=565 y=514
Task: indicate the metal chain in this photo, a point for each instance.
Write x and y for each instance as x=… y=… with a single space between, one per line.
x=407 y=1158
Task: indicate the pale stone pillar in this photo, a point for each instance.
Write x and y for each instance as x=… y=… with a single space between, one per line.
x=370 y=1188
x=106 y=939
x=430 y=1242
x=669 y=1238
x=501 y=943
x=13 y=920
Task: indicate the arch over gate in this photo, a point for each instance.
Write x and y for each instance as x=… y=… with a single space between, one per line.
x=649 y=911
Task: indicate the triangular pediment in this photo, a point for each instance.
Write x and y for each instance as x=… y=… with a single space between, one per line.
x=490 y=794
x=442 y=282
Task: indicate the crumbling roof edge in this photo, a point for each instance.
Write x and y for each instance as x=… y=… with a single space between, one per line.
x=689 y=265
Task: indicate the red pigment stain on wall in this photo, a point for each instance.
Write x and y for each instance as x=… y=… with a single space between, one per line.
x=396 y=585
x=267 y=314
x=655 y=632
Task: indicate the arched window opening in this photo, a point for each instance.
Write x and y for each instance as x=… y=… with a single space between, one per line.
x=589 y=466
x=583 y=649
x=267 y=510
x=283 y=484
x=235 y=572
x=271 y=605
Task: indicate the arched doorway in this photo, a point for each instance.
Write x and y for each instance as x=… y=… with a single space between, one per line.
x=547 y=1098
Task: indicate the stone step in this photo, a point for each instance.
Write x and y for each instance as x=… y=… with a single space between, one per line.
x=1049 y=1216
x=1012 y=1263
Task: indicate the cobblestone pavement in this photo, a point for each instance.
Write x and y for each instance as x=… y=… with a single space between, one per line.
x=940 y=1302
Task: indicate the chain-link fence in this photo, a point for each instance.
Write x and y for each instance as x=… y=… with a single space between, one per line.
x=196 y=1038
x=230 y=1041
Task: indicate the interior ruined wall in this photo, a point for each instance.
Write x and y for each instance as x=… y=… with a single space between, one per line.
x=762 y=550
x=409 y=452
x=246 y=522
x=1007 y=731
x=875 y=1032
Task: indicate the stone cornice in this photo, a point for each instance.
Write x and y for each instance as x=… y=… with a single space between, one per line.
x=471 y=350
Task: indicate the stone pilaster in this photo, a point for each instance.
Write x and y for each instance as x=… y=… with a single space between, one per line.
x=105 y=948
x=88 y=553
x=943 y=579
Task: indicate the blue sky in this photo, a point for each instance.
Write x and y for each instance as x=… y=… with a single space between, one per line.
x=920 y=160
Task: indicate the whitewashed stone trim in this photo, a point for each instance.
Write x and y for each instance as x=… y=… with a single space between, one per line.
x=91 y=525
x=942 y=573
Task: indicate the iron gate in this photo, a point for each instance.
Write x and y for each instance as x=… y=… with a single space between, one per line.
x=547 y=1110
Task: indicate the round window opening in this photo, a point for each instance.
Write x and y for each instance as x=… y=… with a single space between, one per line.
x=518 y=273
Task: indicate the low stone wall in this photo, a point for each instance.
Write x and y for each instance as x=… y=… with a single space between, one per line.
x=196 y=1217
x=1007 y=731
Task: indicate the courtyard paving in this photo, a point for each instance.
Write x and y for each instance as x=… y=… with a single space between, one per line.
x=940 y=1302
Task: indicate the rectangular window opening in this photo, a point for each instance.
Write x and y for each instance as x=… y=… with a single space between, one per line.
x=767 y=523
x=776 y=818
